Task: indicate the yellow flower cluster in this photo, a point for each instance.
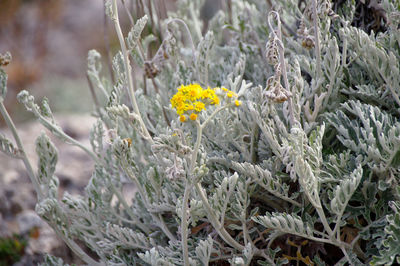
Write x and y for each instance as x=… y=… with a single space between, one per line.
x=192 y=99
x=230 y=95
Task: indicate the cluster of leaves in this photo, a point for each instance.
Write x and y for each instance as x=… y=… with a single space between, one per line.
x=313 y=178
x=11 y=249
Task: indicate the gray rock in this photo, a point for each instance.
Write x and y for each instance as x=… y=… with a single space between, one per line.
x=27 y=220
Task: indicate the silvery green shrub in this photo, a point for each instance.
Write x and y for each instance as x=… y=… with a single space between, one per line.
x=299 y=159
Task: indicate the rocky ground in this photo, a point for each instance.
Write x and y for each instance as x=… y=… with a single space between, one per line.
x=17 y=196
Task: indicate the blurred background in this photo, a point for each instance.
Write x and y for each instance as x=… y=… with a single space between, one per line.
x=49 y=41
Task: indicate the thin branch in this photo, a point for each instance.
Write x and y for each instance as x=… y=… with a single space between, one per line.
x=159 y=220
x=128 y=13
x=75 y=247
x=107 y=44
x=25 y=159
x=94 y=96
x=316 y=36
x=188 y=33
x=127 y=70
x=278 y=33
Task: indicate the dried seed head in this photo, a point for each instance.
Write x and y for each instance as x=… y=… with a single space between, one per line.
x=275 y=91
x=150 y=69
x=308 y=42
x=176 y=170
x=164 y=52
x=272 y=50
x=323 y=9
x=302 y=30
x=278 y=71
x=308 y=12
x=5 y=59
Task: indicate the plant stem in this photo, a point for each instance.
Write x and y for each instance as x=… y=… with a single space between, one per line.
x=196 y=146
x=188 y=33
x=282 y=63
x=213 y=114
x=153 y=24
x=324 y=221
x=195 y=20
x=316 y=36
x=159 y=220
x=25 y=159
x=229 y=7
x=128 y=13
x=127 y=69
x=188 y=187
x=59 y=133
x=184 y=224
x=107 y=44
x=74 y=247
x=346 y=255
x=344 y=54
x=162 y=107
x=214 y=221
x=128 y=210
x=94 y=96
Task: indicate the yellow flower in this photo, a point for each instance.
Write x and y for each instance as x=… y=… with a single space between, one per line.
x=182 y=118
x=192 y=99
x=193 y=116
x=231 y=94
x=189 y=107
x=238 y=103
x=198 y=106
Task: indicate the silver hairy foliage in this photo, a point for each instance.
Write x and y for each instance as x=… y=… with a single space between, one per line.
x=304 y=149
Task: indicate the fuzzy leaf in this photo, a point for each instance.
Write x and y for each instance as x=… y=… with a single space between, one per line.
x=307 y=158
x=118 y=236
x=135 y=32
x=96 y=137
x=285 y=223
x=263 y=177
x=48 y=157
x=204 y=249
x=153 y=257
x=8 y=148
x=345 y=190
x=375 y=133
x=202 y=63
x=50 y=260
x=3 y=84
x=390 y=252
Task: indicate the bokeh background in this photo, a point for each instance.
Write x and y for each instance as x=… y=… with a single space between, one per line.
x=49 y=41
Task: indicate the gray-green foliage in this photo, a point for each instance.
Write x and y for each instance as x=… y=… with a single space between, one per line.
x=8 y=147
x=309 y=157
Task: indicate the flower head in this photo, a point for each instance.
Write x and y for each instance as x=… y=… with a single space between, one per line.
x=193 y=116
x=192 y=99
